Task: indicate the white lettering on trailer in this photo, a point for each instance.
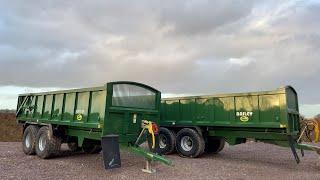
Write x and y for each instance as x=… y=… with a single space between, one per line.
x=242 y=113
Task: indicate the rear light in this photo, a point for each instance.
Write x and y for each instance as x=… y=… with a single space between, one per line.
x=155 y=128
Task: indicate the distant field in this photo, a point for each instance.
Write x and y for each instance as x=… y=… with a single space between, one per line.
x=10 y=131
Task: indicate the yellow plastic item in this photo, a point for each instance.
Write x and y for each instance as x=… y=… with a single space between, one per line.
x=150 y=129
x=148 y=125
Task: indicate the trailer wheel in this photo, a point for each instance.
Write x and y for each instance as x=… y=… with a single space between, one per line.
x=214 y=145
x=189 y=143
x=167 y=141
x=29 y=140
x=91 y=147
x=47 y=146
x=73 y=146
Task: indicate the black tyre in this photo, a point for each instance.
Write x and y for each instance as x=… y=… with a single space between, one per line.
x=47 y=146
x=167 y=141
x=214 y=145
x=29 y=140
x=73 y=146
x=189 y=143
x=91 y=147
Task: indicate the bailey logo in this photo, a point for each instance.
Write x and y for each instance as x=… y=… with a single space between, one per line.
x=244 y=116
x=79 y=113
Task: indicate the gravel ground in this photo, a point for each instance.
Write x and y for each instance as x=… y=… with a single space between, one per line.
x=246 y=161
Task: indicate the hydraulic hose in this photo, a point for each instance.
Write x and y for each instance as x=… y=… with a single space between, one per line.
x=152 y=129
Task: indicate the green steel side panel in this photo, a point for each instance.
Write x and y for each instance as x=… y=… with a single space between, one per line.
x=214 y=110
x=247 y=104
x=47 y=107
x=69 y=106
x=98 y=104
x=117 y=124
x=269 y=106
x=39 y=107
x=223 y=110
x=82 y=107
x=259 y=111
x=172 y=110
x=186 y=111
x=33 y=104
x=204 y=111
x=57 y=108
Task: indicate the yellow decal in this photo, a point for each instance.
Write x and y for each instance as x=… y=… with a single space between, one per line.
x=244 y=118
x=79 y=117
x=244 y=115
x=282 y=126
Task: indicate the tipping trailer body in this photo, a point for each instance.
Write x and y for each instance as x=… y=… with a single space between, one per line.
x=259 y=111
x=116 y=109
x=269 y=116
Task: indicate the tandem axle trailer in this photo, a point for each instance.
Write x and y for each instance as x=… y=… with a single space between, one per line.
x=117 y=115
x=197 y=124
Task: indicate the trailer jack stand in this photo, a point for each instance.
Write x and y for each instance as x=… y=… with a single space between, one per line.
x=148 y=168
x=293 y=149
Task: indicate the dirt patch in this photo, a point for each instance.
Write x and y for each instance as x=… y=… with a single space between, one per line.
x=10 y=130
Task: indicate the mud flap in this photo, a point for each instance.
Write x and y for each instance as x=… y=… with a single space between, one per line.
x=111 y=151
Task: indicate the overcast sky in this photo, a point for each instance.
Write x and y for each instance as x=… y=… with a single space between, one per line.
x=179 y=47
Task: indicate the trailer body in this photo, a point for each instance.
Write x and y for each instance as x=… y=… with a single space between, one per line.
x=269 y=116
x=259 y=111
x=116 y=109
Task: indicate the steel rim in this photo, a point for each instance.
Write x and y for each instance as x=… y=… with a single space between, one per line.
x=162 y=141
x=186 y=143
x=42 y=142
x=27 y=141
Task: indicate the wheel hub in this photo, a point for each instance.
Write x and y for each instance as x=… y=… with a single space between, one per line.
x=42 y=142
x=162 y=141
x=28 y=140
x=186 y=143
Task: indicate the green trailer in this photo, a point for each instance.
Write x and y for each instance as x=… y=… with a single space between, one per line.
x=197 y=124
x=118 y=114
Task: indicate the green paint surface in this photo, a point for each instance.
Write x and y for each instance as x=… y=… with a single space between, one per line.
x=268 y=111
x=89 y=111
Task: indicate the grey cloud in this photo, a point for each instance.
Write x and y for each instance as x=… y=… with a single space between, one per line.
x=194 y=17
x=178 y=47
